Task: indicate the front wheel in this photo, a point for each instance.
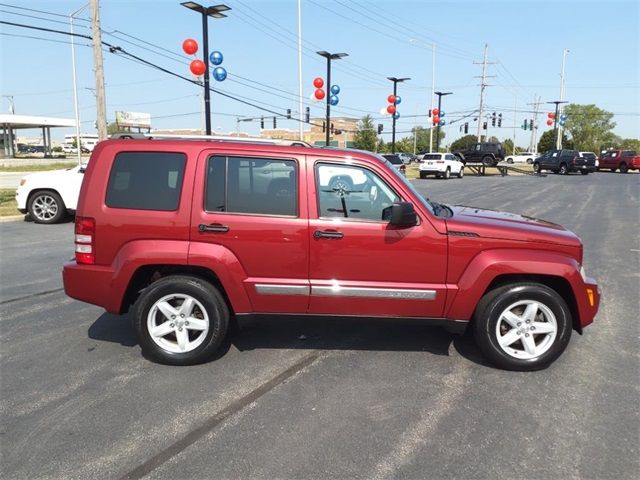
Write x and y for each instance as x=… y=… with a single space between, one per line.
x=46 y=206
x=489 y=161
x=536 y=168
x=624 y=168
x=584 y=172
x=181 y=320
x=522 y=326
x=564 y=170
x=529 y=161
x=509 y=160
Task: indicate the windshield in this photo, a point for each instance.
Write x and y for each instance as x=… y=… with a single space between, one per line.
x=393 y=159
x=409 y=185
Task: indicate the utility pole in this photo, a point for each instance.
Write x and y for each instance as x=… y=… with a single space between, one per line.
x=301 y=113
x=559 y=130
x=483 y=85
x=515 y=108
x=101 y=102
x=533 y=147
x=433 y=92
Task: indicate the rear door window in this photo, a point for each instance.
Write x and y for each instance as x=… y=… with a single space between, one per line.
x=146 y=180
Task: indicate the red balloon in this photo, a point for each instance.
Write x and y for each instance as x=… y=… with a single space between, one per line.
x=197 y=67
x=435 y=111
x=319 y=93
x=318 y=82
x=391 y=109
x=190 y=46
x=436 y=119
x=549 y=122
x=391 y=99
x=551 y=115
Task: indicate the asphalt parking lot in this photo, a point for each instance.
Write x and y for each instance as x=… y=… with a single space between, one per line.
x=327 y=399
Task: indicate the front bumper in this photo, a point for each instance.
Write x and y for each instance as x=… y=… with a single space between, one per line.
x=588 y=301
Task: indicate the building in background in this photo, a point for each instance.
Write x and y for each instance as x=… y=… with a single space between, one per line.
x=344 y=129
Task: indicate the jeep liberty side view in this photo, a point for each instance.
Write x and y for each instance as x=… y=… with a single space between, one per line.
x=191 y=234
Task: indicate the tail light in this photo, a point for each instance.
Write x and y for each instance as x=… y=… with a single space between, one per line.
x=403 y=168
x=439 y=161
x=85 y=240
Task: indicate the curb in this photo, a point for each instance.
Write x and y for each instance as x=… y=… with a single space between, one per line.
x=12 y=218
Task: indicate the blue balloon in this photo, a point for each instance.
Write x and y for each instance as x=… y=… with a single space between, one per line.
x=396 y=115
x=335 y=89
x=398 y=99
x=442 y=122
x=216 y=57
x=441 y=114
x=333 y=99
x=220 y=74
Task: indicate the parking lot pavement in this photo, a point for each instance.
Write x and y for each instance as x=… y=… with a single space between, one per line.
x=344 y=398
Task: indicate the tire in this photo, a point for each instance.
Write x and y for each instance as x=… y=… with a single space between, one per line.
x=489 y=161
x=447 y=174
x=536 y=168
x=461 y=172
x=563 y=170
x=509 y=160
x=205 y=322
x=529 y=161
x=624 y=168
x=423 y=175
x=509 y=341
x=46 y=206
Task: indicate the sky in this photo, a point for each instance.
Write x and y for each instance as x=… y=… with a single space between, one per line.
x=383 y=38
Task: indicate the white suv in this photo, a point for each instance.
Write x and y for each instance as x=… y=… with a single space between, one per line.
x=49 y=196
x=442 y=165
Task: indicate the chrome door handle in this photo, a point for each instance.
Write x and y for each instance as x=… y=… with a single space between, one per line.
x=330 y=234
x=214 y=228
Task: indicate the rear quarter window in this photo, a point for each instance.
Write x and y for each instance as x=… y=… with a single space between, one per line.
x=146 y=181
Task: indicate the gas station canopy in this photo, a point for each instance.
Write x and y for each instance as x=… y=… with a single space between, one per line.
x=11 y=122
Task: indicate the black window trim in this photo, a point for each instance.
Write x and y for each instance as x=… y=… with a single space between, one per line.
x=186 y=160
x=349 y=219
x=226 y=175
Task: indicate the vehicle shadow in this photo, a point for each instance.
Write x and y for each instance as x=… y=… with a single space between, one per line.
x=339 y=333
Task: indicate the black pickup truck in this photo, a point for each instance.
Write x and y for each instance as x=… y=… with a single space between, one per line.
x=489 y=154
x=564 y=162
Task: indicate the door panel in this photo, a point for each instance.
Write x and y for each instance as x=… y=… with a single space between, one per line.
x=238 y=208
x=369 y=267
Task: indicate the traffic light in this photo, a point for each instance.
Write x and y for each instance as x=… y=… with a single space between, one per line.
x=493 y=119
x=466 y=127
x=288 y=114
x=274 y=122
x=307 y=115
x=531 y=124
x=262 y=123
x=331 y=128
x=324 y=127
x=484 y=126
x=380 y=128
x=500 y=120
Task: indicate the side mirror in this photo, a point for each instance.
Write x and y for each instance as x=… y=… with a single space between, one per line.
x=403 y=215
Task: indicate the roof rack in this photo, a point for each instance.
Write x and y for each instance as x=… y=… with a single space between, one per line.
x=216 y=138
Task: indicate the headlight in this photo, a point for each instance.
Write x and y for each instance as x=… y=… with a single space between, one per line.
x=583 y=274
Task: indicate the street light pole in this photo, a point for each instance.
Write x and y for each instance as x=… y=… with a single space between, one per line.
x=555 y=121
x=206 y=12
x=393 y=123
x=75 y=83
x=440 y=95
x=329 y=57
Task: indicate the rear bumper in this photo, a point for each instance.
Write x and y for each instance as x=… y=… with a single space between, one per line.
x=431 y=171
x=583 y=168
x=92 y=284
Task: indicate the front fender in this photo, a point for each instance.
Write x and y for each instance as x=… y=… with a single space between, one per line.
x=490 y=264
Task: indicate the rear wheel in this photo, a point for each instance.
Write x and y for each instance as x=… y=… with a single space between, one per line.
x=181 y=320
x=522 y=326
x=46 y=206
x=423 y=175
x=447 y=173
x=563 y=170
x=584 y=172
x=613 y=169
x=461 y=172
x=529 y=161
x=489 y=161
x=624 y=168
x=509 y=160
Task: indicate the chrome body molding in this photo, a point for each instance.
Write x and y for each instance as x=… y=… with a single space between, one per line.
x=399 y=293
x=275 y=289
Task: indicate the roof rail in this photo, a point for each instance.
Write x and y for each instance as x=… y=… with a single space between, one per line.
x=216 y=138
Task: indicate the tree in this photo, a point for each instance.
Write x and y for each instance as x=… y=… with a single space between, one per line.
x=589 y=126
x=422 y=138
x=366 y=137
x=548 y=141
x=507 y=146
x=629 y=144
x=463 y=143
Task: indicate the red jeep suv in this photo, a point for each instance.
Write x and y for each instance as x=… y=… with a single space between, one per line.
x=193 y=234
